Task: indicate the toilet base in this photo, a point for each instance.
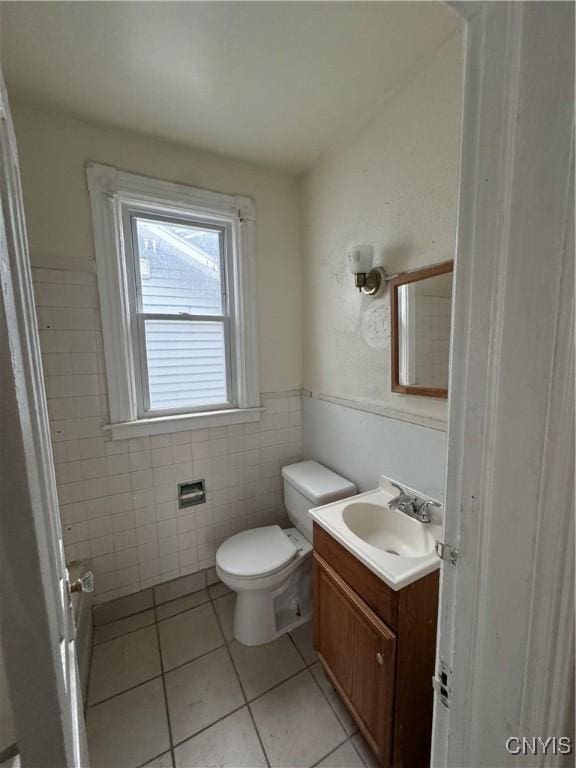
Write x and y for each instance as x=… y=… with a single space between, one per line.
x=261 y=616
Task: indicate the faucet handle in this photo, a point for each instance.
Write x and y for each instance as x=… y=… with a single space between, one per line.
x=430 y=503
x=401 y=491
x=423 y=509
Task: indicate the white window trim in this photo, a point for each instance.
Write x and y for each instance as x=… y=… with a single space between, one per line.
x=111 y=191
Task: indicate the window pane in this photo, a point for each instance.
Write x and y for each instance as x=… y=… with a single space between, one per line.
x=180 y=268
x=186 y=363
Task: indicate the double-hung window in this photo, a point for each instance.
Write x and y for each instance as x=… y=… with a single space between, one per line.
x=176 y=281
x=181 y=314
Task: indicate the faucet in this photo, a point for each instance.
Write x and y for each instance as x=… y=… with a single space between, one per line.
x=413 y=506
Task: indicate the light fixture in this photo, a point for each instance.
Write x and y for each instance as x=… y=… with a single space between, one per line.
x=369 y=280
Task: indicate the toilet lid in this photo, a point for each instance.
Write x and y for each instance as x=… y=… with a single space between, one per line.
x=256 y=552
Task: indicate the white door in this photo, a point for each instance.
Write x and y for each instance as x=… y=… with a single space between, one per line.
x=37 y=623
x=506 y=627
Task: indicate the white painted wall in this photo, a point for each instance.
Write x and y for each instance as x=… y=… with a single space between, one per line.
x=54 y=150
x=394 y=186
x=361 y=446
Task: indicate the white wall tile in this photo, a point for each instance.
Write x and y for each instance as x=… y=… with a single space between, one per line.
x=118 y=498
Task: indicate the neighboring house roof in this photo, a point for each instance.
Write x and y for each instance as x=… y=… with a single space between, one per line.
x=179 y=270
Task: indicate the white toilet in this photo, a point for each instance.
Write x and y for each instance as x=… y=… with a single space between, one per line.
x=270 y=568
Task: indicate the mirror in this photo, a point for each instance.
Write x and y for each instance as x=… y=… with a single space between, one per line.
x=420 y=313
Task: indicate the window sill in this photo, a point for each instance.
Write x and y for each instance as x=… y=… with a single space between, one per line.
x=161 y=425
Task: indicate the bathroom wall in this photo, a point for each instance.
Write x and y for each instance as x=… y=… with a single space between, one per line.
x=393 y=186
x=361 y=446
x=118 y=498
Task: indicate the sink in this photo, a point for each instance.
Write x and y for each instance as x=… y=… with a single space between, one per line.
x=397 y=548
x=386 y=529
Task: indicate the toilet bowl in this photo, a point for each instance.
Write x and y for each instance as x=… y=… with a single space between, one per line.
x=270 y=568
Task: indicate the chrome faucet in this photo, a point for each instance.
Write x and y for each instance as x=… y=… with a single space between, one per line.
x=413 y=506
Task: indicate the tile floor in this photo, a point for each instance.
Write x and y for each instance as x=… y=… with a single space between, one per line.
x=171 y=688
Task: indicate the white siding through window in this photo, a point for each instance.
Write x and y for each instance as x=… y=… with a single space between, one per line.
x=186 y=364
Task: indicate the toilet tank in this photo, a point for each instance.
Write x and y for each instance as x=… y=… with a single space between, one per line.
x=309 y=484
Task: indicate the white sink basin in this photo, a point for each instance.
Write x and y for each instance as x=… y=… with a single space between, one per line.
x=397 y=548
x=385 y=529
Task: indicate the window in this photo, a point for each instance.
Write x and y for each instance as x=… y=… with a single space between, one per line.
x=176 y=282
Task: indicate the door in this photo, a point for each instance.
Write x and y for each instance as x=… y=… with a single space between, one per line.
x=358 y=652
x=37 y=623
x=506 y=623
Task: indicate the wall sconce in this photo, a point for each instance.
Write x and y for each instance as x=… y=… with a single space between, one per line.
x=369 y=280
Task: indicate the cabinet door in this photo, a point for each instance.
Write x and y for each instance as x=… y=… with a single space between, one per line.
x=358 y=653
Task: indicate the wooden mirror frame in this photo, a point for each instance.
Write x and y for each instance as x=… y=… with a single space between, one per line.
x=403 y=278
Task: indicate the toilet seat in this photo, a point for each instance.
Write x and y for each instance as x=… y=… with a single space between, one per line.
x=257 y=552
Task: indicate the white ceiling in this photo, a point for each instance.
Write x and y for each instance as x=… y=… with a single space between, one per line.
x=276 y=83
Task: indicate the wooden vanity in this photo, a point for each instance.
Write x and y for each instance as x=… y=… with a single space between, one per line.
x=377 y=646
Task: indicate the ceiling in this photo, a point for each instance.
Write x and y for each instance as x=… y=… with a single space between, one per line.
x=276 y=83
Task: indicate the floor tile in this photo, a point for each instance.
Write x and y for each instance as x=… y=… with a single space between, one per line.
x=164 y=761
x=182 y=604
x=179 y=587
x=124 y=606
x=188 y=635
x=212 y=577
x=201 y=692
x=231 y=742
x=334 y=698
x=260 y=667
x=296 y=724
x=123 y=626
x=123 y=663
x=218 y=590
x=303 y=637
x=224 y=607
x=128 y=729
x=343 y=757
x=368 y=757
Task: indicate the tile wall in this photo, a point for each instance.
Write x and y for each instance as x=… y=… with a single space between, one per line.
x=433 y=317
x=118 y=497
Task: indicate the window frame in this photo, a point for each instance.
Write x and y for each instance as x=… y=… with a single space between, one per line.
x=117 y=198
x=131 y=214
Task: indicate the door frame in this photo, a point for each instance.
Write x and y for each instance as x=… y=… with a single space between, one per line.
x=37 y=623
x=506 y=622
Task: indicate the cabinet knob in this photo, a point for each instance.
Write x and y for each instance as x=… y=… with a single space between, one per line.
x=379 y=658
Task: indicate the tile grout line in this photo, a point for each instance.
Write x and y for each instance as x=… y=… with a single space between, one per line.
x=156 y=619
x=161 y=754
x=196 y=658
x=97 y=644
x=357 y=750
x=151 y=608
x=324 y=694
x=346 y=740
x=162 y=674
x=207 y=727
x=246 y=703
x=150 y=679
x=126 y=690
x=126 y=616
x=206 y=602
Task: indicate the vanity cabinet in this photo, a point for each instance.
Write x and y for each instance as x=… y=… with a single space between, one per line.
x=377 y=647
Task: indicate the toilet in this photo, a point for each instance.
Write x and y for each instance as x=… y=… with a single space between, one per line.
x=270 y=568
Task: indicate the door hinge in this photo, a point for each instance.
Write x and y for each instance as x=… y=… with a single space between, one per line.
x=442 y=683
x=446 y=552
